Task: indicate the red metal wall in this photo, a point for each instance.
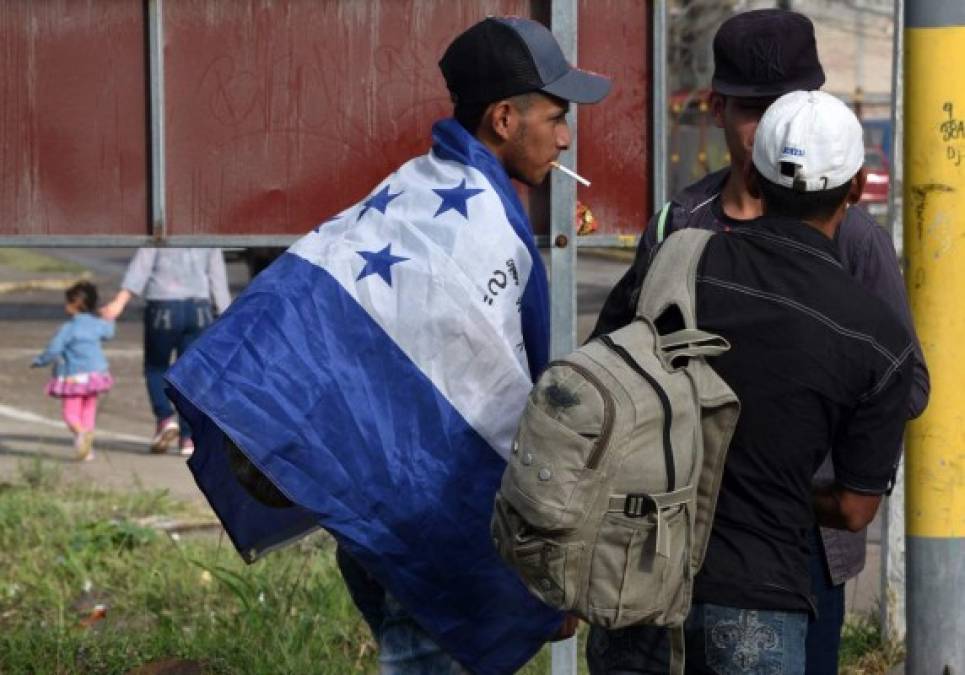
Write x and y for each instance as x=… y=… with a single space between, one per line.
x=278 y=113
x=614 y=136
x=72 y=117
x=302 y=106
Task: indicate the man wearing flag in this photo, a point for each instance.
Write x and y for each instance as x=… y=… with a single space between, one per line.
x=370 y=381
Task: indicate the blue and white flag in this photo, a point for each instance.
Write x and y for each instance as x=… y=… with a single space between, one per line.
x=376 y=373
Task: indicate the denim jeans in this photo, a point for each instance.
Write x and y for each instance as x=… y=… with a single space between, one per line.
x=404 y=647
x=824 y=631
x=719 y=640
x=170 y=326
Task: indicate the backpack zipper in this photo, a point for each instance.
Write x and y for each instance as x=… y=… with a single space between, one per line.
x=594 y=459
x=664 y=403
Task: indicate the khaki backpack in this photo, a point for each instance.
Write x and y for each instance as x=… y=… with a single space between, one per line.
x=606 y=505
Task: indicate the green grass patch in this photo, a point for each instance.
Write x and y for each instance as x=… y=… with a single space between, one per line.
x=864 y=649
x=28 y=260
x=67 y=549
x=87 y=589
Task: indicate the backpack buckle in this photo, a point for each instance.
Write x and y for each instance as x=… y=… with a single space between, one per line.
x=638 y=506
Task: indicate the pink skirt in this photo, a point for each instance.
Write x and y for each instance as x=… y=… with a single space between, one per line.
x=81 y=384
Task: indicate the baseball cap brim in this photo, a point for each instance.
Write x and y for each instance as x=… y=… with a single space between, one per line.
x=767 y=90
x=579 y=86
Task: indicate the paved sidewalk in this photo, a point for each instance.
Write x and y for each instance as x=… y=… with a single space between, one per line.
x=31 y=310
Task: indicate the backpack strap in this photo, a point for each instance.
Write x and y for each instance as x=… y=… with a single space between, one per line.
x=720 y=410
x=662 y=222
x=639 y=505
x=672 y=277
x=672 y=280
x=688 y=336
x=663 y=500
x=691 y=342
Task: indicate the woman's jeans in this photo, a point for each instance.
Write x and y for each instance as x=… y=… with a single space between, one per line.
x=170 y=326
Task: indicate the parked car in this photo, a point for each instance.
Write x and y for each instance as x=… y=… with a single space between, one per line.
x=875 y=195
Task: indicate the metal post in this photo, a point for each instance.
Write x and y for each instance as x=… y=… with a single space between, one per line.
x=563 y=21
x=859 y=53
x=934 y=244
x=892 y=593
x=155 y=23
x=660 y=104
x=896 y=192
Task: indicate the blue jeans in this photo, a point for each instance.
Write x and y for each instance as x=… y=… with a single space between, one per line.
x=404 y=647
x=170 y=326
x=824 y=631
x=719 y=640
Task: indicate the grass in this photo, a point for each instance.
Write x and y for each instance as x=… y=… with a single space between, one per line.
x=27 y=260
x=864 y=650
x=86 y=589
x=67 y=550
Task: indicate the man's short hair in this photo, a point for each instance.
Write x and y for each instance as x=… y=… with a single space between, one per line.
x=787 y=202
x=766 y=52
x=470 y=115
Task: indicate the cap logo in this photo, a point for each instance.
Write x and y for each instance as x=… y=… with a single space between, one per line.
x=793 y=152
x=768 y=64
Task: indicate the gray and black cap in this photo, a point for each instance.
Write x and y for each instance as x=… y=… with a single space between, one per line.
x=502 y=57
x=765 y=53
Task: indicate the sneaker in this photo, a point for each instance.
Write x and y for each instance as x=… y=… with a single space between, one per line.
x=166 y=435
x=85 y=446
x=187 y=447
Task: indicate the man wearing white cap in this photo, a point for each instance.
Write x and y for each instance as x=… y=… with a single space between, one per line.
x=818 y=362
x=758 y=56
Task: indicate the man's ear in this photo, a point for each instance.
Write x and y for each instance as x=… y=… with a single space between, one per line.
x=751 y=179
x=717 y=103
x=857 y=185
x=502 y=119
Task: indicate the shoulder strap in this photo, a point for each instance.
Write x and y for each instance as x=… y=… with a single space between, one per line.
x=690 y=342
x=662 y=222
x=672 y=277
x=672 y=280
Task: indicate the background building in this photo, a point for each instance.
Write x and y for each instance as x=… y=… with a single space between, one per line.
x=854 y=40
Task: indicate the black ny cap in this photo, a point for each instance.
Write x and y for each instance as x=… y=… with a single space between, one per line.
x=502 y=57
x=766 y=52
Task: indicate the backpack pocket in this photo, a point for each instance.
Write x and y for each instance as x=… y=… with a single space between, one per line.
x=638 y=569
x=552 y=479
x=549 y=569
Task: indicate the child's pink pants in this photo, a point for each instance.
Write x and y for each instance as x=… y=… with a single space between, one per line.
x=80 y=411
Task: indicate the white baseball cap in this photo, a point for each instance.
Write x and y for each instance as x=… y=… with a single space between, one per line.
x=808 y=141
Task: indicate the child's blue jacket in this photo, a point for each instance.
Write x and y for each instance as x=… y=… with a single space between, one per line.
x=77 y=345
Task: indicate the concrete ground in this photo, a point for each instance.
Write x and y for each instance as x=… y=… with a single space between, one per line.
x=31 y=309
x=30 y=424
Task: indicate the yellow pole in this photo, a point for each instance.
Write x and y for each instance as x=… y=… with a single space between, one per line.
x=934 y=244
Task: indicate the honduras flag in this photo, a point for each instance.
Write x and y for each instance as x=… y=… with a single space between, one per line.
x=376 y=373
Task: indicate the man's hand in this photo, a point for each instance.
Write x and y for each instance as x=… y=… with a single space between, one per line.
x=842 y=509
x=568 y=629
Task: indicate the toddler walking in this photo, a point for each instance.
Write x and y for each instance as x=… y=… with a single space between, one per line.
x=80 y=371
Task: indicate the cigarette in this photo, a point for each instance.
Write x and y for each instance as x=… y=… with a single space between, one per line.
x=572 y=174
